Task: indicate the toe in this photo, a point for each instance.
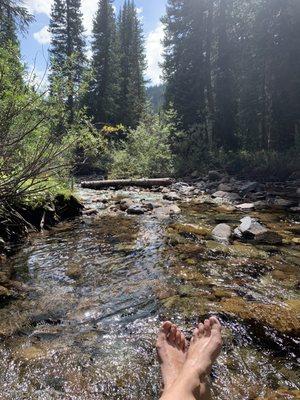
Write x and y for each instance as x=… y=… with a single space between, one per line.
x=165 y=328
x=216 y=327
x=172 y=335
x=207 y=328
x=182 y=341
x=200 y=330
x=163 y=333
x=178 y=338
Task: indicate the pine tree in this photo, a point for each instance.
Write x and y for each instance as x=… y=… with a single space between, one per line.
x=104 y=87
x=132 y=66
x=184 y=65
x=67 y=51
x=13 y=17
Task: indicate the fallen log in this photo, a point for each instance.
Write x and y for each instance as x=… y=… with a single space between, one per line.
x=119 y=183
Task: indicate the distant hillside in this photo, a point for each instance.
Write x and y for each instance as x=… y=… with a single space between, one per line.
x=156 y=96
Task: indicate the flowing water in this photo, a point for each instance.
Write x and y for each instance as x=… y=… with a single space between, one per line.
x=100 y=286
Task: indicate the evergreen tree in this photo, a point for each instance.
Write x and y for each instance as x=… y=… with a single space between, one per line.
x=13 y=17
x=67 y=51
x=184 y=65
x=132 y=66
x=104 y=87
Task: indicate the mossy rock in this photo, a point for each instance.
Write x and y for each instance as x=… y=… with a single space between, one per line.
x=191 y=229
x=281 y=318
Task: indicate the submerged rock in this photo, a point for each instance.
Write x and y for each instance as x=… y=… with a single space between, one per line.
x=226 y=196
x=222 y=233
x=191 y=228
x=281 y=318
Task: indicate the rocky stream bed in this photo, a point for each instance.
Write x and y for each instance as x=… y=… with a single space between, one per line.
x=92 y=292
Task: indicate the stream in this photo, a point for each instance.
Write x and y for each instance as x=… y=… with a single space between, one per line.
x=99 y=287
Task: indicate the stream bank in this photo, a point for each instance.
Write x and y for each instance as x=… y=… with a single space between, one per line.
x=100 y=286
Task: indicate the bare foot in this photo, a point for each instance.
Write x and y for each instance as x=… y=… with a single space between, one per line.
x=171 y=347
x=204 y=349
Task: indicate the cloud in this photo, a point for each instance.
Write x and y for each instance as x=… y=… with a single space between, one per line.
x=43 y=36
x=88 y=7
x=154 y=54
x=38 y=6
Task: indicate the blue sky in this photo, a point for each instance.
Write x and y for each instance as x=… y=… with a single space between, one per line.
x=35 y=44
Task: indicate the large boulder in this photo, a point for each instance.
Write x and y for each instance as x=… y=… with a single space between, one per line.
x=222 y=233
x=225 y=187
x=251 y=229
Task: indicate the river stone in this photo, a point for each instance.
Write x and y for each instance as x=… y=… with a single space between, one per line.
x=125 y=204
x=225 y=187
x=282 y=204
x=135 y=209
x=252 y=229
x=246 y=206
x=222 y=233
x=249 y=187
x=172 y=196
x=4 y=292
x=226 y=195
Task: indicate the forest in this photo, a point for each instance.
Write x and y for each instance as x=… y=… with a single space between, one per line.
x=143 y=214
x=230 y=99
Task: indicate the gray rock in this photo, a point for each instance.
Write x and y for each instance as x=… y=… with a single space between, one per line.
x=260 y=205
x=225 y=187
x=249 y=187
x=226 y=195
x=253 y=230
x=172 y=196
x=282 y=204
x=135 y=209
x=237 y=233
x=214 y=175
x=295 y=209
x=246 y=206
x=222 y=233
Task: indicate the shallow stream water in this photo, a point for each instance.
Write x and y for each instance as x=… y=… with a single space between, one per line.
x=100 y=286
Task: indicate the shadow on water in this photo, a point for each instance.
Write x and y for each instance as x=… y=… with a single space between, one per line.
x=100 y=286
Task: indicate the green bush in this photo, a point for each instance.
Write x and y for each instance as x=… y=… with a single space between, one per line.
x=146 y=152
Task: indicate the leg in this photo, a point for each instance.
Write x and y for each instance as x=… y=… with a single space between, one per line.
x=204 y=349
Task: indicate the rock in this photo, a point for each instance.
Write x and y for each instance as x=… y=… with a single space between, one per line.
x=281 y=318
x=3 y=278
x=295 y=209
x=246 y=206
x=249 y=187
x=4 y=292
x=125 y=204
x=135 y=209
x=214 y=175
x=282 y=204
x=174 y=209
x=90 y=211
x=226 y=195
x=30 y=353
x=298 y=192
x=260 y=205
x=148 y=206
x=74 y=271
x=191 y=228
x=172 y=196
x=225 y=187
x=222 y=233
x=252 y=229
x=237 y=233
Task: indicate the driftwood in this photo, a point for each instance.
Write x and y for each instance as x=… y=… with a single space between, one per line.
x=118 y=183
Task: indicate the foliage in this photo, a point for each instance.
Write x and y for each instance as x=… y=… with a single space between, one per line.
x=27 y=155
x=146 y=152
